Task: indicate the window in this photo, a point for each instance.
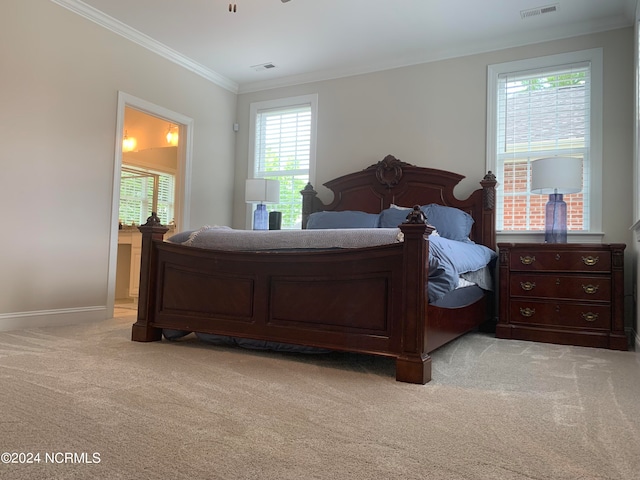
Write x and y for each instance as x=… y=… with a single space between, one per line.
x=545 y=107
x=283 y=149
x=143 y=191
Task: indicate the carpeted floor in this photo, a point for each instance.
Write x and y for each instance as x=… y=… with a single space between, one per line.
x=94 y=405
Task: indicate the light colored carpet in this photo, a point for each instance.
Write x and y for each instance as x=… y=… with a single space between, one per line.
x=495 y=409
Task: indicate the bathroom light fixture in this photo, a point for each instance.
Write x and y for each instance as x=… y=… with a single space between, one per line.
x=128 y=143
x=172 y=135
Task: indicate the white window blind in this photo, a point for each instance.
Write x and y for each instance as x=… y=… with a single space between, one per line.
x=143 y=191
x=541 y=113
x=283 y=138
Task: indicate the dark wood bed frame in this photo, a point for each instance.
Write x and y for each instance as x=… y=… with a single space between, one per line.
x=369 y=300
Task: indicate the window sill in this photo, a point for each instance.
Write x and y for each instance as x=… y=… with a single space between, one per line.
x=538 y=237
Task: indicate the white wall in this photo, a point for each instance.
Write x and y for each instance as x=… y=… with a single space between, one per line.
x=58 y=96
x=434 y=115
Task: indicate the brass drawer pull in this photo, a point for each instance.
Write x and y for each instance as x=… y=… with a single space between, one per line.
x=590 y=260
x=590 y=317
x=528 y=286
x=590 y=289
x=527 y=260
x=527 y=312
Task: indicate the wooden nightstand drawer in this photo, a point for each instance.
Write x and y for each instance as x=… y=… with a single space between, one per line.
x=555 y=260
x=576 y=287
x=565 y=293
x=574 y=315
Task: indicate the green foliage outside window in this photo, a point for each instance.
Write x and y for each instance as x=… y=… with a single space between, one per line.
x=572 y=79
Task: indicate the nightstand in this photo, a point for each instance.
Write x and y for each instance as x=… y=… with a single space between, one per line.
x=563 y=293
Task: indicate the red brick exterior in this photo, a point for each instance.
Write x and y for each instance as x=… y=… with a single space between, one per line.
x=517 y=200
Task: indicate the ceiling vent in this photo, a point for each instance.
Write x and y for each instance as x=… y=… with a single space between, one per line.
x=534 y=12
x=263 y=66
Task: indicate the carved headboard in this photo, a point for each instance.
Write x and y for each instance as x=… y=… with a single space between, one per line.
x=392 y=181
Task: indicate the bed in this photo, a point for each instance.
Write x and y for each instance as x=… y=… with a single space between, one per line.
x=370 y=299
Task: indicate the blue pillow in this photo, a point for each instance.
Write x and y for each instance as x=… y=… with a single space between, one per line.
x=394 y=216
x=344 y=219
x=450 y=222
x=180 y=237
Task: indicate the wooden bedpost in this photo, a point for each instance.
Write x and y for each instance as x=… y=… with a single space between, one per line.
x=414 y=364
x=488 y=184
x=309 y=203
x=151 y=231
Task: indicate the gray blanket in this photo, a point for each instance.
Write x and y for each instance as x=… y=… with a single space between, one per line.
x=225 y=238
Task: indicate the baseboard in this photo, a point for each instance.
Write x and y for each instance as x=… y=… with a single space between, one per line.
x=51 y=318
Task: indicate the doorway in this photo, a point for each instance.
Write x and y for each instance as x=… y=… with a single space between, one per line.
x=152 y=170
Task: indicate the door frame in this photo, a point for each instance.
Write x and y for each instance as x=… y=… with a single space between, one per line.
x=183 y=176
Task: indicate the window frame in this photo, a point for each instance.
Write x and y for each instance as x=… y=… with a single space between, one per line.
x=134 y=170
x=595 y=58
x=277 y=104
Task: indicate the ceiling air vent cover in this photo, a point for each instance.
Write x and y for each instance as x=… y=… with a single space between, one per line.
x=533 y=12
x=263 y=66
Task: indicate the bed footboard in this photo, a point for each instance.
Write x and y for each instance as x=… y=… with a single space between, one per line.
x=368 y=300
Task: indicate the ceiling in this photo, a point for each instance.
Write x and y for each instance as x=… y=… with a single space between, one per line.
x=309 y=40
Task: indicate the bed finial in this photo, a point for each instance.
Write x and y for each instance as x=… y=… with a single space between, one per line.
x=489 y=185
x=416 y=216
x=153 y=221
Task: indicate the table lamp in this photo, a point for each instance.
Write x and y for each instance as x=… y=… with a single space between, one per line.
x=261 y=191
x=556 y=176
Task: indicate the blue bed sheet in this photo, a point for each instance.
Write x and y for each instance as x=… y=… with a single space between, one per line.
x=448 y=259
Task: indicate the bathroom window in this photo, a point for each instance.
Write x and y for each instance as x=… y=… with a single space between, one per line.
x=144 y=191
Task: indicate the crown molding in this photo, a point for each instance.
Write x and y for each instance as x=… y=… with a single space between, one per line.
x=119 y=28
x=492 y=45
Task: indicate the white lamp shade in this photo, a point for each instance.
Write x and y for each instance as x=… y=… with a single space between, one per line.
x=556 y=175
x=261 y=190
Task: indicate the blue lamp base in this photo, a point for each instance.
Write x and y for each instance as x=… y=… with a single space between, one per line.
x=555 y=220
x=261 y=218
